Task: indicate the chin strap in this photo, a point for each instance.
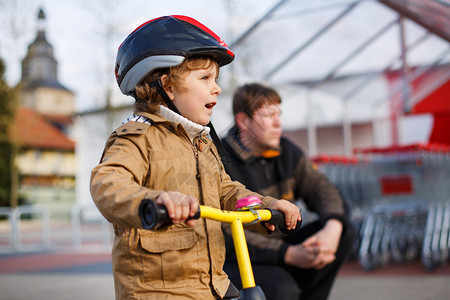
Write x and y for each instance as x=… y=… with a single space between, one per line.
x=159 y=88
x=215 y=138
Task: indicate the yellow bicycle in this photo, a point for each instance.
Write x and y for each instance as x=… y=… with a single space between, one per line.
x=249 y=213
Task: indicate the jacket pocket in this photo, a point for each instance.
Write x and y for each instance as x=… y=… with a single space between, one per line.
x=169 y=259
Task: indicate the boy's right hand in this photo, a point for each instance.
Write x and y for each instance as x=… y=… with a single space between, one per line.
x=179 y=206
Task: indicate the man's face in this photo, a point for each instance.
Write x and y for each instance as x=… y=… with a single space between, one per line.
x=265 y=127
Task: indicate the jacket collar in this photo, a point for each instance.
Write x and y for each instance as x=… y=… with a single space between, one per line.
x=193 y=129
x=166 y=115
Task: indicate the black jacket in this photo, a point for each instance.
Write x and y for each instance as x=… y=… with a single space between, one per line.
x=285 y=174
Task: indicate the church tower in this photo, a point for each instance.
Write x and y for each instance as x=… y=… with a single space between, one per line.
x=41 y=90
x=46 y=160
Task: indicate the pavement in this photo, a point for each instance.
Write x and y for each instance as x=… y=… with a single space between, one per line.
x=87 y=275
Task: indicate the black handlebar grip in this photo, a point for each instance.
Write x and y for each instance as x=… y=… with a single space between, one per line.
x=154 y=216
x=278 y=219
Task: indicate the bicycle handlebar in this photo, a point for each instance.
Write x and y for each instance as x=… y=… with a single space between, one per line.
x=156 y=216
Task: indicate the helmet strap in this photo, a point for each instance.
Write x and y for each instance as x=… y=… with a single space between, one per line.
x=159 y=88
x=215 y=138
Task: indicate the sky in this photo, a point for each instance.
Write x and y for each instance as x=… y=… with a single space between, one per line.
x=85 y=35
x=77 y=31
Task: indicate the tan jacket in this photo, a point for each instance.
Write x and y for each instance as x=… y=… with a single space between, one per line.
x=179 y=262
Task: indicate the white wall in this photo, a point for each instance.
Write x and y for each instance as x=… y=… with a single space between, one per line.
x=330 y=138
x=92 y=131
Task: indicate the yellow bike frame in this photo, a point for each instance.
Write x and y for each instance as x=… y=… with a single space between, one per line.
x=236 y=219
x=154 y=216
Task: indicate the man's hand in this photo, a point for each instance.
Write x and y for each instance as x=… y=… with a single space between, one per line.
x=305 y=255
x=318 y=250
x=179 y=206
x=290 y=211
x=329 y=237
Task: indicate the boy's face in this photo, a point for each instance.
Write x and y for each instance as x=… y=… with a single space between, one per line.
x=197 y=95
x=265 y=127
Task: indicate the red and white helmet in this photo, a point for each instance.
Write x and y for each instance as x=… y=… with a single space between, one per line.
x=165 y=42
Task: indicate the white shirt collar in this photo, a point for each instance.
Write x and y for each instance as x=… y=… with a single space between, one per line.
x=192 y=129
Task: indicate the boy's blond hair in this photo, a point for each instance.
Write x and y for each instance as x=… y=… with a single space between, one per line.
x=148 y=99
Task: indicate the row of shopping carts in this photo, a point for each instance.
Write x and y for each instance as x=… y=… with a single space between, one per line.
x=400 y=199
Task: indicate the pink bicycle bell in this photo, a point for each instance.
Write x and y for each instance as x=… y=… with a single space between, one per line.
x=247 y=203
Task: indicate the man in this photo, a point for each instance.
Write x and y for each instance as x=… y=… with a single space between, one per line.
x=302 y=266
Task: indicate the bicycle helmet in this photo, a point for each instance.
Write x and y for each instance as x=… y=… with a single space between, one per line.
x=165 y=42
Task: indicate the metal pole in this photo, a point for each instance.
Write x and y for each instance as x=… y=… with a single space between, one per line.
x=346 y=122
x=76 y=230
x=312 y=133
x=411 y=77
x=15 y=230
x=256 y=24
x=310 y=41
x=353 y=92
x=331 y=74
x=405 y=67
x=347 y=130
x=396 y=114
x=415 y=74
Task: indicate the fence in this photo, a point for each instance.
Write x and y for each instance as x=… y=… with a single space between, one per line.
x=400 y=199
x=32 y=228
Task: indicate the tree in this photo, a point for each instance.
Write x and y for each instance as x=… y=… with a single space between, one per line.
x=15 y=32
x=8 y=145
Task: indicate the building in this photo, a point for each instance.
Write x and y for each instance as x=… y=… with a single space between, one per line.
x=43 y=129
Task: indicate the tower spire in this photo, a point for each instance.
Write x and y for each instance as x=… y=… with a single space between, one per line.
x=39 y=65
x=41 y=20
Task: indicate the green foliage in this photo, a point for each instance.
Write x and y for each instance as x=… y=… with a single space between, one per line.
x=8 y=107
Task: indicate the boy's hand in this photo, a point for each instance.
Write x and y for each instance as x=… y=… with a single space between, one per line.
x=291 y=214
x=179 y=206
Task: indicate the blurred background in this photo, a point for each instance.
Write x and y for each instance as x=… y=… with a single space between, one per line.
x=366 y=93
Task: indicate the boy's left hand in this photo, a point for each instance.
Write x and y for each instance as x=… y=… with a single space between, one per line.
x=291 y=214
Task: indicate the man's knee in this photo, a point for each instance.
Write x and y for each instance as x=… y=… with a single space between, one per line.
x=281 y=292
x=276 y=282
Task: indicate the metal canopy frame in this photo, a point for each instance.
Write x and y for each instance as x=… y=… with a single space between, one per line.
x=433 y=15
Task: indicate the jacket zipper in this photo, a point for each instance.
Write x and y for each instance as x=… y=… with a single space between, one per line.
x=198 y=147
x=265 y=170
x=195 y=149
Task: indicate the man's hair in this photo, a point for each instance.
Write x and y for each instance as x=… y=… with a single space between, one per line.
x=148 y=99
x=250 y=97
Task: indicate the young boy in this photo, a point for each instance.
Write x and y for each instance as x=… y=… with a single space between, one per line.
x=162 y=154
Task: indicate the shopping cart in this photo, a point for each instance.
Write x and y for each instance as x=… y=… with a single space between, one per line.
x=400 y=201
x=409 y=200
